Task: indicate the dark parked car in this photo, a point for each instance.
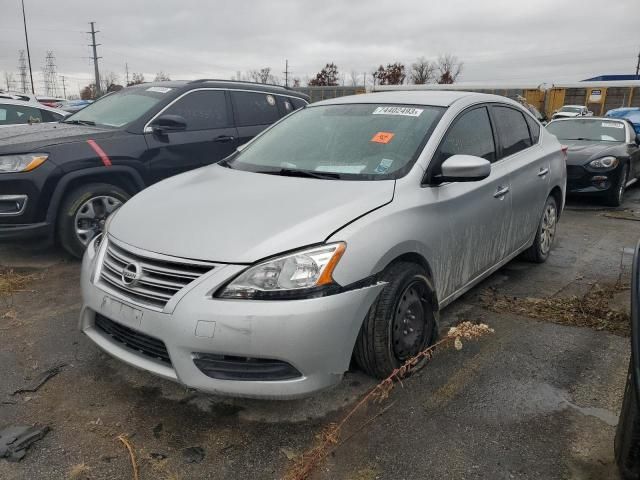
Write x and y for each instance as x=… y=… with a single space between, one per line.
x=64 y=179
x=603 y=155
x=627 y=442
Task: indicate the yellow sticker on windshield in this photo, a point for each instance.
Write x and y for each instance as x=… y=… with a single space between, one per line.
x=382 y=137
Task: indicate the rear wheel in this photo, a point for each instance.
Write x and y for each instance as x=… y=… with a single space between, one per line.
x=400 y=324
x=546 y=233
x=627 y=441
x=83 y=214
x=615 y=195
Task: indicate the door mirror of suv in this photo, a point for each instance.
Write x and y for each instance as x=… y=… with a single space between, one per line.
x=637 y=138
x=464 y=168
x=169 y=123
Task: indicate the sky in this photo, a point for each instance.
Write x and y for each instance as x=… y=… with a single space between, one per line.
x=512 y=41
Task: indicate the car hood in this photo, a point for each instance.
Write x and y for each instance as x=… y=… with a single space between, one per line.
x=231 y=216
x=565 y=114
x=35 y=137
x=583 y=151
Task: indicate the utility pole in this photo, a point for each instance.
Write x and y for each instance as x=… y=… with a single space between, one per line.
x=286 y=73
x=26 y=37
x=638 y=67
x=22 y=68
x=64 y=88
x=95 y=56
x=126 y=71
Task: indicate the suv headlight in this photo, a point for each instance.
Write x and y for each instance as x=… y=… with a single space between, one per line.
x=604 y=162
x=301 y=274
x=21 y=163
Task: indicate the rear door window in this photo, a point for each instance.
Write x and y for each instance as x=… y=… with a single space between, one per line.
x=534 y=129
x=18 y=114
x=254 y=108
x=512 y=130
x=297 y=102
x=202 y=110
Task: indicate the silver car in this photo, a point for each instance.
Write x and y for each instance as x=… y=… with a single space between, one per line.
x=339 y=232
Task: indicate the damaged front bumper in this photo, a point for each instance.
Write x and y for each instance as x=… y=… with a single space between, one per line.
x=261 y=349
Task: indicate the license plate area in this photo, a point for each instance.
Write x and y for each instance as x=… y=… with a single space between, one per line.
x=121 y=312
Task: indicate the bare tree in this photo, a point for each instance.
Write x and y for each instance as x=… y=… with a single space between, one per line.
x=109 y=82
x=136 y=79
x=393 y=74
x=8 y=78
x=354 y=78
x=89 y=92
x=296 y=82
x=327 y=77
x=422 y=71
x=449 y=68
x=261 y=76
x=161 y=77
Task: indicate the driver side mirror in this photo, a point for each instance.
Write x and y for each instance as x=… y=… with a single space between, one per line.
x=169 y=123
x=464 y=168
x=638 y=139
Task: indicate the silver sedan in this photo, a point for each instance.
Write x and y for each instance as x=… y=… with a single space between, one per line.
x=339 y=232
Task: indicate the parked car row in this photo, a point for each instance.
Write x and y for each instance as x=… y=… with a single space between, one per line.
x=69 y=106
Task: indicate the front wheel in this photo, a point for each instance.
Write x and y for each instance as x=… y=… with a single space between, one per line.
x=83 y=214
x=400 y=324
x=539 y=251
x=627 y=440
x=615 y=195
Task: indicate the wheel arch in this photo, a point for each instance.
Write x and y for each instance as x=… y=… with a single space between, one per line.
x=126 y=178
x=556 y=193
x=417 y=258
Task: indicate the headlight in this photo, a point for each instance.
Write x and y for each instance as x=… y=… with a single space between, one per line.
x=21 y=163
x=296 y=275
x=604 y=162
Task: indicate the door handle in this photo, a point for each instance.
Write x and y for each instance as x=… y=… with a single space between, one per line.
x=224 y=139
x=543 y=172
x=501 y=192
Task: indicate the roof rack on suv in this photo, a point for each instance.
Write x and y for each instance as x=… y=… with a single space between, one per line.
x=239 y=82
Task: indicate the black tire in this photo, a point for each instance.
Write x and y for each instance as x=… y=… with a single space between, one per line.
x=615 y=195
x=539 y=251
x=378 y=351
x=627 y=441
x=78 y=199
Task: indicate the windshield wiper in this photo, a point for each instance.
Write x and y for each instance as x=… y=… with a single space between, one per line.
x=80 y=122
x=290 y=172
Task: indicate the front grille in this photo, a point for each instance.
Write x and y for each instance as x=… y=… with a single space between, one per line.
x=160 y=279
x=575 y=171
x=149 y=346
x=231 y=367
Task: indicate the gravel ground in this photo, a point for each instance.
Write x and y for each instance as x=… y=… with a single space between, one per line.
x=534 y=400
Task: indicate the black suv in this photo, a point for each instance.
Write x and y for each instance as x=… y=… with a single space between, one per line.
x=64 y=179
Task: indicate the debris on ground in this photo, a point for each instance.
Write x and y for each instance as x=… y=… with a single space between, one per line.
x=593 y=309
x=193 y=454
x=623 y=215
x=79 y=472
x=11 y=281
x=41 y=379
x=15 y=440
x=132 y=455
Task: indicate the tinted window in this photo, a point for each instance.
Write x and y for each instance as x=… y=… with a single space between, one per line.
x=48 y=116
x=534 y=128
x=254 y=108
x=202 y=109
x=15 y=114
x=297 y=102
x=286 y=107
x=512 y=129
x=471 y=134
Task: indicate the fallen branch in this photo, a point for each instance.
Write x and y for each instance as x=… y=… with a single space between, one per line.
x=134 y=464
x=330 y=436
x=43 y=378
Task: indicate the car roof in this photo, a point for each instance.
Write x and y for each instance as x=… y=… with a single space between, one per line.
x=228 y=84
x=437 y=98
x=574 y=119
x=22 y=103
x=574 y=106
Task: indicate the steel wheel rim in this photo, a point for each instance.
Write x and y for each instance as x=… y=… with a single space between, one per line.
x=409 y=328
x=91 y=216
x=548 y=228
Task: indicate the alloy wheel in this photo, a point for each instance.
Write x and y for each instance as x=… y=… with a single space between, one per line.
x=92 y=215
x=548 y=228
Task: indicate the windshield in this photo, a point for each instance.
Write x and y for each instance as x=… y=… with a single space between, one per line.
x=355 y=141
x=571 y=109
x=584 y=129
x=121 y=108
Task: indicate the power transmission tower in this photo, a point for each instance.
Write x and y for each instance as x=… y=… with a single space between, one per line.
x=95 y=56
x=22 y=69
x=50 y=75
x=64 y=88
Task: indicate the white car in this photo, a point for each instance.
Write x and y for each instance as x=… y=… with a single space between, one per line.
x=17 y=112
x=23 y=97
x=570 y=111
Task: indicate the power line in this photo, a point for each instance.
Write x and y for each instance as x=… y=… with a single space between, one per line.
x=95 y=57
